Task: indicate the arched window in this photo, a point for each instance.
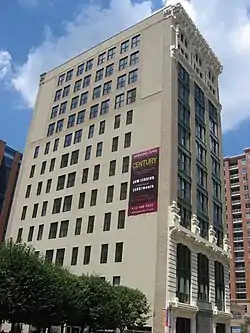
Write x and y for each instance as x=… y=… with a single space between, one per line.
x=183 y=273
x=203 y=277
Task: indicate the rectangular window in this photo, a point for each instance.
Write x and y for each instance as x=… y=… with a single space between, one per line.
x=123 y=191
x=78 y=136
x=71 y=179
x=131 y=96
x=80 y=69
x=40 y=232
x=184 y=189
x=53 y=230
x=64 y=229
x=74 y=256
x=127 y=140
x=49 y=255
x=184 y=162
x=67 y=203
x=80 y=117
x=115 y=142
x=60 y=183
x=85 y=173
x=104 y=254
x=93 y=111
x=57 y=206
x=30 y=234
x=109 y=70
x=99 y=75
x=66 y=91
x=74 y=157
x=59 y=125
x=119 y=101
x=59 y=257
x=46 y=149
x=35 y=209
x=64 y=161
x=32 y=171
x=28 y=190
x=44 y=208
x=107 y=222
x=96 y=173
x=121 y=219
x=91 y=222
x=93 y=198
x=84 y=98
x=123 y=63
x=39 y=188
x=118 y=252
x=116 y=281
x=61 y=79
x=88 y=153
x=54 y=111
x=24 y=211
x=91 y=131
x=203 y=277
x=87 y=254
x=68 y=140
x=69 y=75
x=74 y=102
x=78 y=226
x=86 y=81
x=107 y=88
x=96 y=92
x=112 y=167
x=63 y=108
x=125 y=164
x=110 y=194
x=58 y=95
x=134 y=58
x=81 y=200
x=51 y=129
x=102 y=127
x=71 y=120
x=111 y=53
x=19 y=235
x=89 y=65
x=105 y=107
x=135 y=42
x=133 y=76
x=99 y=147
x=48 y=186
x=124 y=46
x=117 y=122
x=56 y=144
x=219 y=285
x=78 y=85
x=121 y=81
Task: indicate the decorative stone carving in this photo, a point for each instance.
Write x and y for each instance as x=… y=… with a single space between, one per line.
x=174 y=217
x=195 y=225
x=226 y=245
x=212 y=235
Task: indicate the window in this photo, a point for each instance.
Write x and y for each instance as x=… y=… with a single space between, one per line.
x=107 y=222
x=105 y=107
x=53 y=230
x=131 y=96
x=30 y=234
x=44 y=208
x=185 y=214
x=117 y=122
x=40 y=232
x=115 y=142
x=56 y=144
x=203 y=278
x=68 y=140
x=121 y=81
x=219 y=285
x=80 y=70
x=88 y=153
x=93 y=198
x=127 y=140
x=32 y=171
x=54 y=111
x=28 y=190
x=119 y=101
x=109 y=70
x=111 y=53
x=71 y=120
x=134 y=58
x=74 y=256
x=35 y=209
x=63 y=108
x=91 y=222
x=74 y=157
x=61 y=79
x=118 y=252
x=184 y=189
x=184 y=162
x=135 y=42
x=201 y=176
x=71 y=179
x=78 y=85
x=46 y=150
x=58 y=95
x=99 y=75
x=89 y=65
x=110 y=194
x=104 y=254
x=96 y=92
x=78 y=226
x=48 y=185
x=123 y=191
x=116 y=281
x=49 y=255
x=86 y=81
x=59 y=257
x=125 y=46
x=51 y=129
x=99 y=149
x=74 y=102
x=39 y=188
x=78 y=136
x=121 y=219
x=123 y=63
x=96 y=173
x=93 y=111
x=24 y=211
x=102 y=127
x=80 y=117
x=112 y=167
x=101 y=58
x=87 y=254
x=64 y=229
x=66 y=91
x=67 y=203
x=183 y=273
x=133 y=76
x=57 y=206
x=69 y=75
x=200 y=132
x=81 y=201
x=19 y=235
x=64 y=160
x=200 y=151
x=84 y=98
x=107 y=88
x=59 y=125
x=85 y=173
x=129 y=117
x=125 y=164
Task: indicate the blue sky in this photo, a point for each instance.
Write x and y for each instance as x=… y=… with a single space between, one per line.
x=37 y=35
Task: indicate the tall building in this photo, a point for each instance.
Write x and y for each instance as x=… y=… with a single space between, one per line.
x=10 y=161
x=122 y=172
x=237 y=175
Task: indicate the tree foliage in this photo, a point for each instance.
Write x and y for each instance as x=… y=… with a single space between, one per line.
x=41 y=294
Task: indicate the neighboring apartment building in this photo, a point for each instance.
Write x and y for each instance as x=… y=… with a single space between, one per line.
x=123 y=172
x=237 y=176
x=10 y=161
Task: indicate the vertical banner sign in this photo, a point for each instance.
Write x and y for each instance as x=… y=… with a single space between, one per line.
x=143 y=194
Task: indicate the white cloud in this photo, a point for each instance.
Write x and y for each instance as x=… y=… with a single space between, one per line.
x=5 y=63
x=225 y=24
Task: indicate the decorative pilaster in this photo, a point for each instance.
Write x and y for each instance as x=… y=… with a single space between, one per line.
x=211 y=282
x=194 y=279
x=195 y=225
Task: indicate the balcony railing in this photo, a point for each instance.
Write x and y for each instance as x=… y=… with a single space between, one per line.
x=236 y=211
x=182 y=297
x=234 y=176
x=238 y=239
x=241 y=290
x=235 y=193
x=238 y=229
x=240 y=279
x=238 y=249
x=239 y=259
x=235 y=184
x=237 y=220
x=233 y=167
x=220 y=305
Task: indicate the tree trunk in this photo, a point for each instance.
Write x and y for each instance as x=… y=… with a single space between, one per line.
x=62 y=328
